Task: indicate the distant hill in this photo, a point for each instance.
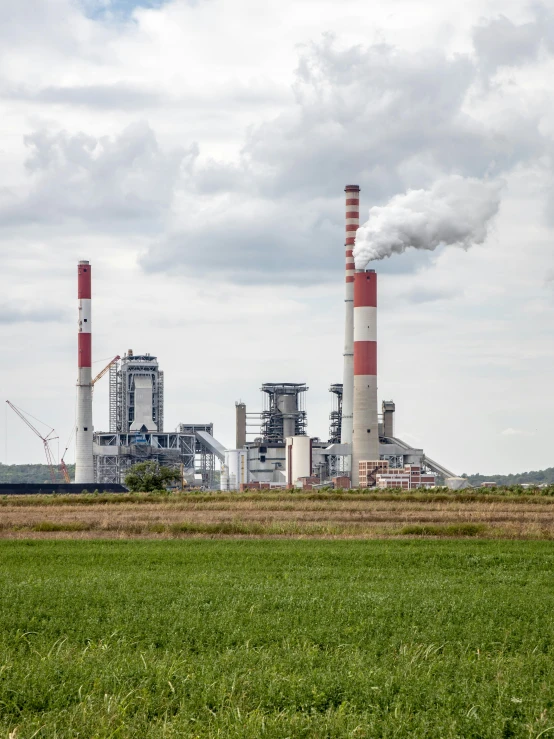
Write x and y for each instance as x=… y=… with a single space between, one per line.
x=522 y=478
x=30 y=473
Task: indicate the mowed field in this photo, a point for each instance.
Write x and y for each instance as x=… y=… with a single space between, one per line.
x=320 y=515
x=276 y=638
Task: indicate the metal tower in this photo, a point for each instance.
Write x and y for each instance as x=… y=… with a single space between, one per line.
x=335 y=417
x=284 y=413
x=136 y=394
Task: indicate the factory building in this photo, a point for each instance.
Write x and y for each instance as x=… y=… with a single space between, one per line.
x=382 y=475
x=234 y=470
x=136 y=394
x=136 y=429
x=266 y=460
x=408 y=479
x=283 y=415
x=362 y=444
x=281 y=451
x=273 y=460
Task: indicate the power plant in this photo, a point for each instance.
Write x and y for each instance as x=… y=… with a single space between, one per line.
x=362 y=449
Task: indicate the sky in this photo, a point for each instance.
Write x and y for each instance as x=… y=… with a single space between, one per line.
x=196 y=152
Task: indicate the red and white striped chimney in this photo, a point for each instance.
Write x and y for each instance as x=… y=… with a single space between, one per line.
x=84 y=467
x=365 y=435
x=352 y=224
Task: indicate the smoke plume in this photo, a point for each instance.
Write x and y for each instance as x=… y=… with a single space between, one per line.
x=455 y=211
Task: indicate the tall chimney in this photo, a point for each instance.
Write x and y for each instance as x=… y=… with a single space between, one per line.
x=240 y=409
x=84 y=468
x=352 y=224
x=365 y=435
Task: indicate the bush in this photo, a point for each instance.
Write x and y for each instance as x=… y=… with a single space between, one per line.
x=149 y=477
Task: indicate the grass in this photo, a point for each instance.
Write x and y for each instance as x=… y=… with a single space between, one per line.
x=287 y=529
x=52 y=526
x=457 y=529
x=542 y=496
x=293 y=516
x=276 y=639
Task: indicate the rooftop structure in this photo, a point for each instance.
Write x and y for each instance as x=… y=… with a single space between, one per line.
x=136 y=394
x=335 y=417
x=284 y=413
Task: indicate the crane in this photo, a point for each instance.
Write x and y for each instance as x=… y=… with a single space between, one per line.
x=45 y=439
x=63 y=466
x=103 y=372
x=65 y=471
x=48 y=438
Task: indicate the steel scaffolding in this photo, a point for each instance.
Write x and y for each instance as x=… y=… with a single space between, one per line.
x=124 y=445
x=335 y=417
x=122 y=390
x=284 y=413
x=114 y=453
x=204 y=459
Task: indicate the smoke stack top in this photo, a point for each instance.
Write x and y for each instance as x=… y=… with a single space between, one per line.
x=454 y=211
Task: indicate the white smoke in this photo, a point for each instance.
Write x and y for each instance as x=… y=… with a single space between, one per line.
x=455 y=211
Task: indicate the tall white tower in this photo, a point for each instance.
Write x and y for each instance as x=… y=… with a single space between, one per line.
x=84 y=466
x=352 y=225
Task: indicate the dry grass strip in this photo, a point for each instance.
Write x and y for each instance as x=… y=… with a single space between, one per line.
x=350 y=516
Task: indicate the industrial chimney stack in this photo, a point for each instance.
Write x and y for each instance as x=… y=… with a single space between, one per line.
x=84 y=467
x=352 y=224
x=365 y=435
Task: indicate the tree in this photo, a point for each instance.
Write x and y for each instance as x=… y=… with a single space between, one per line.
x=145 y=477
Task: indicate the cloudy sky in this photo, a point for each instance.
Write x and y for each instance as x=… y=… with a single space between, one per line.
x=196 y=151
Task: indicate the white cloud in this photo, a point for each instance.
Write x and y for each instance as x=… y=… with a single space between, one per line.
x=500 y=42
x=126 y=178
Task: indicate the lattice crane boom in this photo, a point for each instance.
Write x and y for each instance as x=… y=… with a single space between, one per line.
x=106 y=368
x=103 y=372
x=65 y=471
x=45 y=439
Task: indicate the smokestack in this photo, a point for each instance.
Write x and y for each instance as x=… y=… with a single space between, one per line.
x=365 y=435
x=240 y=409
x=84 y=468
x=352 y=224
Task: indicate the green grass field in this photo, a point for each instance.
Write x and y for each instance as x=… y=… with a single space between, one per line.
x=214 y=638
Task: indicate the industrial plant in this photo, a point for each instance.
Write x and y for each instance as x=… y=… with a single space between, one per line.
x=137 y=433
x=272 y=445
